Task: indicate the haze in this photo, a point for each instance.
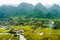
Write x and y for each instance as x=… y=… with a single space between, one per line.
x=34 y=2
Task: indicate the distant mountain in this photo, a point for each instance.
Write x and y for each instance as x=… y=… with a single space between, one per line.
x=30 y=11
x=7 y=10
x=40 y=6
x=24 y=9
x=55 y=6
x=54 y=11
x=39 y=11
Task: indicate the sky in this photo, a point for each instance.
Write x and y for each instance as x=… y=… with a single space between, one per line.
x=34 y=2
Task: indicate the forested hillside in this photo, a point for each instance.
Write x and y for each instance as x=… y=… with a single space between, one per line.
x=30 y=11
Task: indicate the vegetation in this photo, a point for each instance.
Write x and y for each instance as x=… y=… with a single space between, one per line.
x=29 y=11
x=33 y=22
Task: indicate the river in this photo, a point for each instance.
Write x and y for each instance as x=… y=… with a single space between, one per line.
x=22 y=37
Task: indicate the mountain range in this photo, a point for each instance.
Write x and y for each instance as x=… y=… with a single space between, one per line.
x=29 y=11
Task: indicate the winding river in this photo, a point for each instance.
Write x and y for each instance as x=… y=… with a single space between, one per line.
x=22 y=37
